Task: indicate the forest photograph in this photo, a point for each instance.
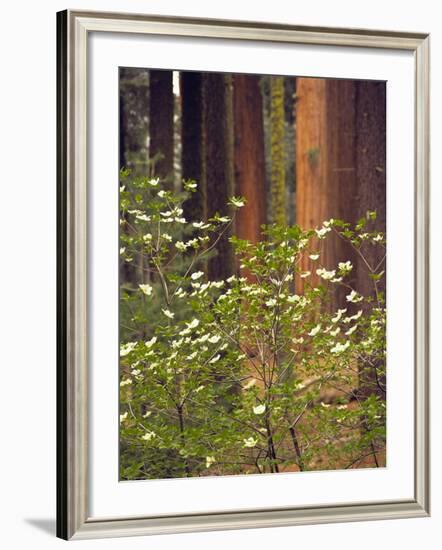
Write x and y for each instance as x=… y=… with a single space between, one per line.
x=252 y=274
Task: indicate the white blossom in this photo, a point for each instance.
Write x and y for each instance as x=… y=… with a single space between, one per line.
x=214 y=339
x=338 y=315
x=151 y=342
x=354 y=317
x=126 y=382
x=271 y=302
x=123 y=417
x=209 y=461
x=315 y=330
x=168 y=313
x=237 y=202
x=259 y=409
x=324 y=274
x=125 y=349
x=215 y=359
x=250 y=442
x=180 y=246
x=314 y=257
x=340 y=348
x=353 y=297
x=148 y=436
x=321 y=233
x=196 y=275
x=193 y=324
x=351 y=330
x=345 y=266
x=146 y=289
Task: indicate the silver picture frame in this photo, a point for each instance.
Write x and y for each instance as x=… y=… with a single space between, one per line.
x=73 y=520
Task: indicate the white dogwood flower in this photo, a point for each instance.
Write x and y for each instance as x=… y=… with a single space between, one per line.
x=259 y=409
x=315 y=330
x=345 y=266
x=354 y=297
x=151 y=342
x=340 y=348
x=209 y=461
x=148 y=436
x=326 y=275
x=321 y=233
x=125 y=349
x=146 y=289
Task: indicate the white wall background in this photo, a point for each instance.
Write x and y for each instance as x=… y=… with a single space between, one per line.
x=27 y=304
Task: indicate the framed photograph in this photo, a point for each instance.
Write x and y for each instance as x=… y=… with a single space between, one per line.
x=242 y=275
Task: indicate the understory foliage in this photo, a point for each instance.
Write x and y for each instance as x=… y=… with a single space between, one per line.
x=233 y=376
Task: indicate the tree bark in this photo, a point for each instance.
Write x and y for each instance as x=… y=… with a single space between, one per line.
x=249 y=156
x=278 y=191
x=370 y=147
x=161 y=124
x=326 y=181
x=218 y=162
x=191 y=135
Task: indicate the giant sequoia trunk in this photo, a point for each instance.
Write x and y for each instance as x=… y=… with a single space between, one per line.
x=218 y=162
x=161 y=123
x=370 y=147
x=191 y=134
x=326 y=182
x=340 y=163
x=249 y=156
x=277 y=152
x=370 y=144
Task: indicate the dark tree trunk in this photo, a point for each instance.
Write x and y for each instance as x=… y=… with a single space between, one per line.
x=218 y=161
x=249 y=156
x=133 y=117
x=191 y=112
x=371 y=176
x=371 y=169
x=161 y=124
x=122 y=131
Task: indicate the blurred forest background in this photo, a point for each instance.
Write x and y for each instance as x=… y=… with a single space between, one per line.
x=301 y=151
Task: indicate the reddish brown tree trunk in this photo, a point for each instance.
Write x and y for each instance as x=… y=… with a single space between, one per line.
x=249 y=156
x=326 y=182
